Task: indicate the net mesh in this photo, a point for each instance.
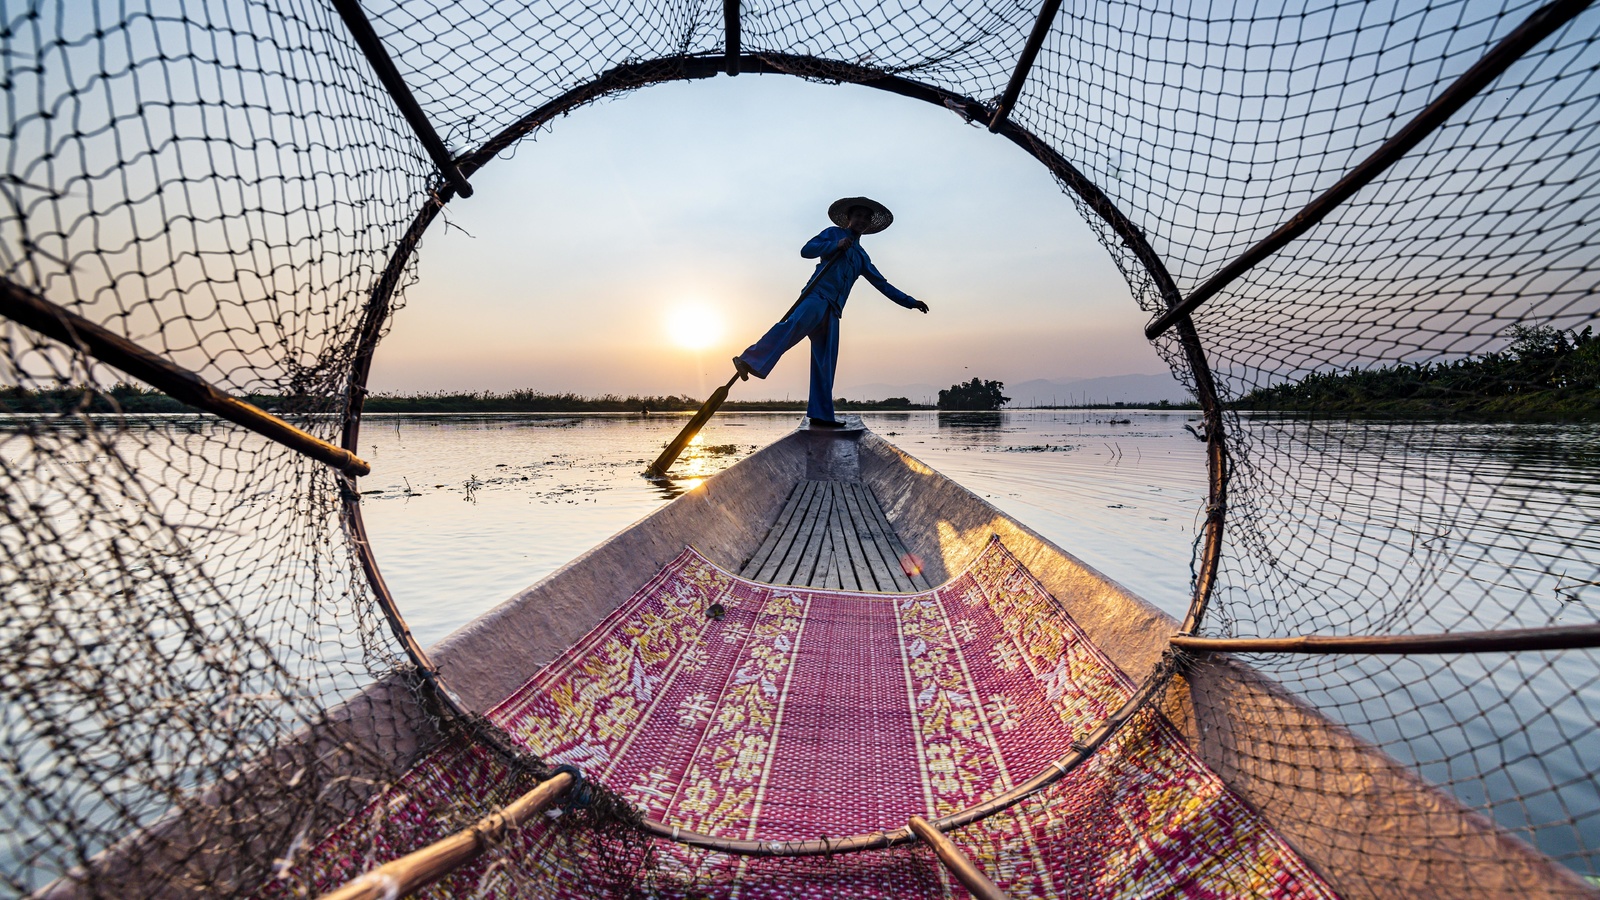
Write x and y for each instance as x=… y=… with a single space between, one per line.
x=193 y=649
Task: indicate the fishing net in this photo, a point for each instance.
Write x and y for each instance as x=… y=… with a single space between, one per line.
x=203 y=676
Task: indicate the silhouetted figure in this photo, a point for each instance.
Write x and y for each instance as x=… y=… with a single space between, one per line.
x=816 y=314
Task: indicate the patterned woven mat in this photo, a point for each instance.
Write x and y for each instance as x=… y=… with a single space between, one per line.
x=804 y=713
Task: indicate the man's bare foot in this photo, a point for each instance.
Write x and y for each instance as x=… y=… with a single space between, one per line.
x=824 y=423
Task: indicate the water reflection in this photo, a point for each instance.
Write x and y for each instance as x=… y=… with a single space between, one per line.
x=972 y=419
x=698 y=461
x=547 y=488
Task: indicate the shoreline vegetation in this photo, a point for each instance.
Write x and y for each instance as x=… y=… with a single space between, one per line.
x=531 y=401
x=1544 y=374
x=130 y=398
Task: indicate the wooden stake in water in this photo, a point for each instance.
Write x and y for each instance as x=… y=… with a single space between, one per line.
x=670 y=455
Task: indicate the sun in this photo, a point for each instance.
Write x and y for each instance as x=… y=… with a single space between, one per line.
x=693 y=327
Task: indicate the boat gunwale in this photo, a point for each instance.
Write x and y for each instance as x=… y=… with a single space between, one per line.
x=1154 y=682
x=1513 y=859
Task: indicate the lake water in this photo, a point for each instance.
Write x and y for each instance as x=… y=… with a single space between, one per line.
x=1421 y=528
x=466 y=511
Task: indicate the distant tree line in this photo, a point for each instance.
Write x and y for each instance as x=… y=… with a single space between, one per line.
x=128 y=398
x=524 y=401
x=131 y=398
x=535 y=401
x=1545 y=372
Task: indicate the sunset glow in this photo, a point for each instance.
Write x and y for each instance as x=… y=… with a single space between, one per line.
x=693 y=327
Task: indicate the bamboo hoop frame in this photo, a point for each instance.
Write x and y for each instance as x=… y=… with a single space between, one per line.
x=423 y=867
x=634 y=75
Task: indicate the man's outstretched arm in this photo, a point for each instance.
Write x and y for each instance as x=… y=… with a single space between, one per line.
x=893 y=293
x=825 y=243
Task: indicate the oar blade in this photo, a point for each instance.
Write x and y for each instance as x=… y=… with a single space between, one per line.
x=670 y=454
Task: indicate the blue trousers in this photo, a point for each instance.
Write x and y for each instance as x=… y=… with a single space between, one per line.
x=813 y=319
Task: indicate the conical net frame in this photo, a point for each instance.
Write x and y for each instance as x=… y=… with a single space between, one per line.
x=230 y=186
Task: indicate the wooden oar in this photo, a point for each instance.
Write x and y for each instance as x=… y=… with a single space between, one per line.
x=670 y=455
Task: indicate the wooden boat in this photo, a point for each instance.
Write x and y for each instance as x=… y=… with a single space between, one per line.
x=850 y=516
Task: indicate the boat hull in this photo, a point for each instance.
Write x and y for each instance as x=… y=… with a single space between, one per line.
x=1414 y=837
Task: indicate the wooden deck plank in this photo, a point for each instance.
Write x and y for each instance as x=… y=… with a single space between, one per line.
x=792 y=532
x=782 y=561
x=866 y=529
x=753 y=566
x=828 y=567
x=807 y=525
x=783 y=558
x=855 y=553
x=786 y=538
x=917 y=580
x=883 y=532
x=806 y=566
x=846 y=559
x=869 y=550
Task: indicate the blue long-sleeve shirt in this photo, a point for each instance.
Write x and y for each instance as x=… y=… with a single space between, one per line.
x=836 y=282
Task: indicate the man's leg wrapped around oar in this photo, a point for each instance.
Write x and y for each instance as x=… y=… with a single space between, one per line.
x=761 y=356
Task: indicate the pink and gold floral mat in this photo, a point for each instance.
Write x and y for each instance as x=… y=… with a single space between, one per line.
x=803 y=713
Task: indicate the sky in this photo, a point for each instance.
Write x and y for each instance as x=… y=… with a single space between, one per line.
x=642 y=242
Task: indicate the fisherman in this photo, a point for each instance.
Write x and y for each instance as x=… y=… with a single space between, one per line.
x=816 y=314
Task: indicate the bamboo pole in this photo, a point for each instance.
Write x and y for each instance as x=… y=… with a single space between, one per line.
x=970 y=876
x=361 y=31
x=1030 y=50
x=1570 y=638
x=28 y=308
x=1538 y=26
x=425 y=866
x=731 y=37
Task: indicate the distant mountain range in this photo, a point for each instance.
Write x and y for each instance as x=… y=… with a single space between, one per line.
x=1042 y=392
